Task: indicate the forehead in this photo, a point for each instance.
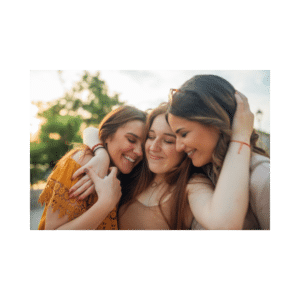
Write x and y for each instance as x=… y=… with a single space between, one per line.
x=136 y=127
x=160 y=125
x=178 y=123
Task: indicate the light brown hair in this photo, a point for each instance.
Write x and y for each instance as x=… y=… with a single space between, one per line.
x=176 y=179
x=110 y=124
x=210 y=101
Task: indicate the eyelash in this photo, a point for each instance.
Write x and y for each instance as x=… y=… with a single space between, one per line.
x=184 y=134
x=131 y=141
x=167 y=142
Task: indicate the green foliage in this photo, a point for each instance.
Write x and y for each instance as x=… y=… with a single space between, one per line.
x=84 y=105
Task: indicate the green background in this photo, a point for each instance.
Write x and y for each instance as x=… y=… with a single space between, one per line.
x=144 y=265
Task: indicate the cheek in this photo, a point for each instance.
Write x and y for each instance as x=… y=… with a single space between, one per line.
x=147 y=145
x=174 y=156
x=173 y=153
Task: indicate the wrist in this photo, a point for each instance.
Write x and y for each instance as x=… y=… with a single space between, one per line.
x=99 y=150
x=104 y=204
x=241 y=138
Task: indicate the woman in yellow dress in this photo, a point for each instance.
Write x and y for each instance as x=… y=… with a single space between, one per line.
x=122 y=133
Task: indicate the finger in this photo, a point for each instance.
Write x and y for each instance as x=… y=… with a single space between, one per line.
x=82 y=189
x=79 y=183
x=113 y=172
x=242 y=98
x=88 y=192
x=77 y=173
x=91 y=173
x=242 y=104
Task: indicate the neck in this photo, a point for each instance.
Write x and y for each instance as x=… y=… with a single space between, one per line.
x=159 y=178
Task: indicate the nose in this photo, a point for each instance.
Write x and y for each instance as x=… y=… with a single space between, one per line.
x=155 y=146
x=138 y=150
x=179 y=145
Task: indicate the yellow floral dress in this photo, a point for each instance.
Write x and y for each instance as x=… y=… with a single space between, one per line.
x=56 y=195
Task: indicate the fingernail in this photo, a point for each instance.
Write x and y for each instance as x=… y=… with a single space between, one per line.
x=86 y=170
x=70 y=195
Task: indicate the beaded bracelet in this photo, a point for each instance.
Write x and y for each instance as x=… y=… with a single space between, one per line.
x=100 y=144
x=99 y=147
x=242 y=143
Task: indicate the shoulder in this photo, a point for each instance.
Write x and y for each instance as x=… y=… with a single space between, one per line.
x=259 y=161
x=259 y=170
x=199 y=182
x=260 y=181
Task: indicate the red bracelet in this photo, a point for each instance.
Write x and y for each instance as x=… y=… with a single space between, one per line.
x=242 y=143
x=100 y=144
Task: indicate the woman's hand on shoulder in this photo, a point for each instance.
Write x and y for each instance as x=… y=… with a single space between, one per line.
x=242 y=125
x=85 y=187
x=108 y=189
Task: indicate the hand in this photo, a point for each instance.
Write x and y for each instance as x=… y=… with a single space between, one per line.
x=242 y=125
x=84 y=187
x=108 y=189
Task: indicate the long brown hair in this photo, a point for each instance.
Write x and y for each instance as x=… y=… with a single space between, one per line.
x=177 y=180
x=110 y=124
x=210 y=101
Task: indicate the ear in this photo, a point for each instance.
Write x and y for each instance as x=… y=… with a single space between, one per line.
x=108 y=140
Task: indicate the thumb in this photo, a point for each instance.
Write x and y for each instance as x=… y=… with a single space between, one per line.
x=113 y=172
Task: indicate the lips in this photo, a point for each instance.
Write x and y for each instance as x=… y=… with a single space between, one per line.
x=155 y=157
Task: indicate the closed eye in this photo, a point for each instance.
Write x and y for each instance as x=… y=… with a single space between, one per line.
x=184 y=134
x=169 y=142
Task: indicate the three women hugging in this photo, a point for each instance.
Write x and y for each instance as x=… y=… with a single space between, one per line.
x=191 y=163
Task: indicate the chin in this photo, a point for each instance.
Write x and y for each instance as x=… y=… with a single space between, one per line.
x=197 y=163
x=126 y=171
x=155 y=170
x=200 y=163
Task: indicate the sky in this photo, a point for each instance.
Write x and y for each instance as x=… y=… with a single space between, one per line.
x=148 y=88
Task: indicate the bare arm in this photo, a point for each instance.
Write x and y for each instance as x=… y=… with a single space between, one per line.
x=99 y=163
x=91 y=137
x=227 y=205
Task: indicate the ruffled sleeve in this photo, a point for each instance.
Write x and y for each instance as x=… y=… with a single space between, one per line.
x=56 y=195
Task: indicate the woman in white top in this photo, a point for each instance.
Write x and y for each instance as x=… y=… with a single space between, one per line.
x=208 y=101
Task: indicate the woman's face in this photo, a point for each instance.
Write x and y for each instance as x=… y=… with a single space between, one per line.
x=197 y=140
x=125 y=146
x=160 y=147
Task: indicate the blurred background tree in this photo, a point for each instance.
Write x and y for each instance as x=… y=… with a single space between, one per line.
x=64 y=119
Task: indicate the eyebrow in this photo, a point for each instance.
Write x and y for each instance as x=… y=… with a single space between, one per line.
x=136 y=136
x=168 y=134
x=178 y=130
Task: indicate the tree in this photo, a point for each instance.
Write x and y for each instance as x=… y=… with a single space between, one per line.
x=84 y=105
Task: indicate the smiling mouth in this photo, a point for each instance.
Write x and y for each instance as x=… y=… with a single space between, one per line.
x=130 y=159
x=155 y=157
x=191 y=153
